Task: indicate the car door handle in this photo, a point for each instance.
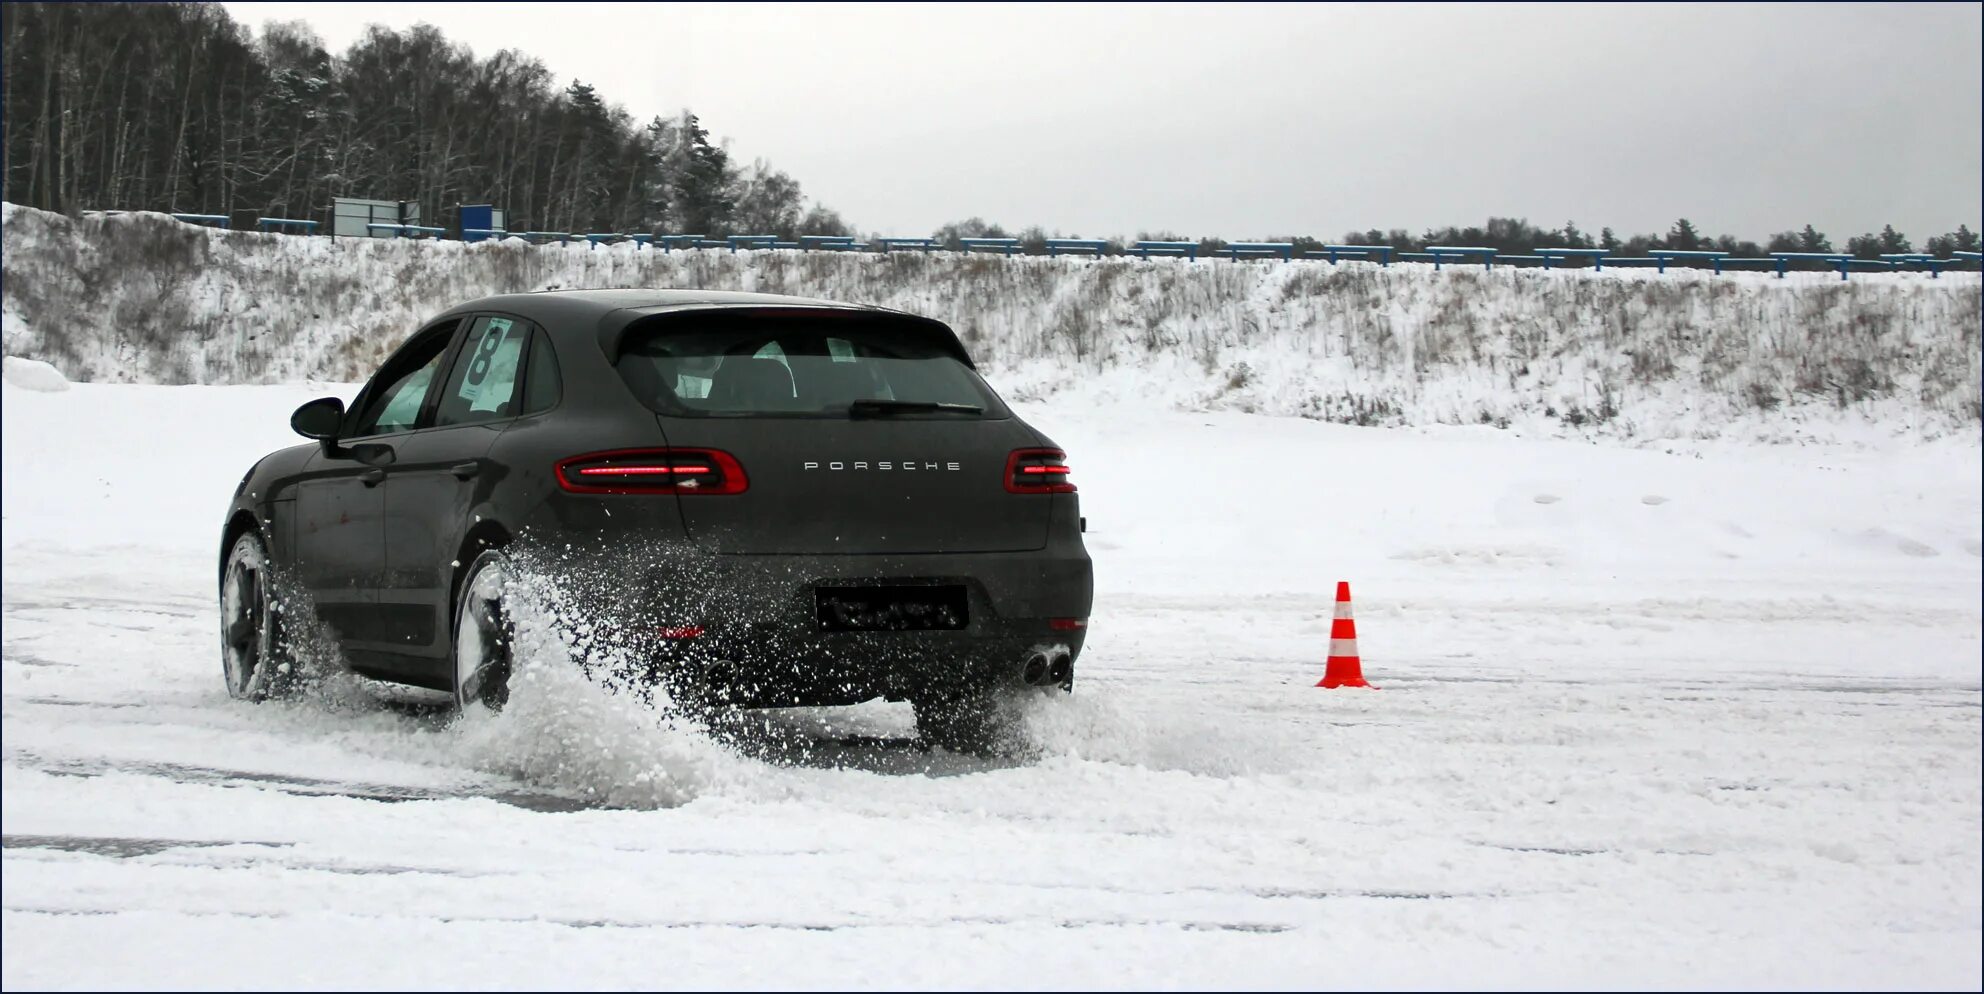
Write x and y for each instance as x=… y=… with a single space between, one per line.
x=464 y=470
x=371 y=477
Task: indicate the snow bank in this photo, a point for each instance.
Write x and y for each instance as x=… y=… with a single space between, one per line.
x=30 y=374
x=141 y=298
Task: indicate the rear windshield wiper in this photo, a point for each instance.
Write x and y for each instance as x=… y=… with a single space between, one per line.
x=882 y=408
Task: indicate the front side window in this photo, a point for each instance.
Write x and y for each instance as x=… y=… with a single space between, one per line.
x=483 y=385
x=394 y=401
x=799 y=366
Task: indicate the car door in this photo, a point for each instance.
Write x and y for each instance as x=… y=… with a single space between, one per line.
x=341 y=501
x=438 y=477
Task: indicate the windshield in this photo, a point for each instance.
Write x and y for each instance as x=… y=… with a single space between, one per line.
x=782 y=365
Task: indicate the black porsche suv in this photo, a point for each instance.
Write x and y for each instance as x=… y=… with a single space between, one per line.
x=772 y=501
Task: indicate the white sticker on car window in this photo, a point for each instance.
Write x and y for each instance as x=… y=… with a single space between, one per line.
x=492 y=371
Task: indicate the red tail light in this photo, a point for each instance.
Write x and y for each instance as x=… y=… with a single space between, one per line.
x=1038 y=471
x=653 y=471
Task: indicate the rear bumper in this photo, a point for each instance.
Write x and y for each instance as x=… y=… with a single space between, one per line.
x=1006 y=592
x=768 y=667
x=763 y=642
x=745 y=628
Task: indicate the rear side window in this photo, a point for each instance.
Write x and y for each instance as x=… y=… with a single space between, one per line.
x=541 y=378
x=483 y=385
x=799 y=366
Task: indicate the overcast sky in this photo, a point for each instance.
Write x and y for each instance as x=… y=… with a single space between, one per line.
x=1247 y=121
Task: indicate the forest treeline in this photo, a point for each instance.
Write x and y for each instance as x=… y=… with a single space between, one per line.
x=1516 y=236
x=176 y=106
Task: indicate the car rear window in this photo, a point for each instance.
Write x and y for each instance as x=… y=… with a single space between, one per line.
x=799 y=366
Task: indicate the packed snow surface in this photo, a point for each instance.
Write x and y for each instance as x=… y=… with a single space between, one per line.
x=1700 y=718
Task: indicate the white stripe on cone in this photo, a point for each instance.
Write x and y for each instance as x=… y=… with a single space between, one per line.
x=1343 y=609
x=1343 y=647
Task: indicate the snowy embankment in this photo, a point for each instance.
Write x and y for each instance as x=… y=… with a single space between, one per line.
x=1631 y=354
x=1647 y=720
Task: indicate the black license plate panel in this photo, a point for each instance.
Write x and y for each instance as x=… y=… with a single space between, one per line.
x=902 y=608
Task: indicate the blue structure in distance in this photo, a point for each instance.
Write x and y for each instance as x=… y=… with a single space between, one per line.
x=1664 y=256
x=1597 y=256
x=482 y=221
x=1236 y=250
x=1918 y=259
x=407 y=230
x=1078 y=246
x=1006 y=246
x=1148 y=247
x=1841 y=259
x=1330 y=252
x=1441 y=253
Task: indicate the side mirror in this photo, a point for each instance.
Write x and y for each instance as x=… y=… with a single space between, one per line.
x=319 y=419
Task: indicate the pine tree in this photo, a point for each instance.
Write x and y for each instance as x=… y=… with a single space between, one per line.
x=1811 y=240
x=699 y=180
x=1960 y=240
x=1683 y=236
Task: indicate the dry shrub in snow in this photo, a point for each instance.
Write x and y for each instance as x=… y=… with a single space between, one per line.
x=141 y=298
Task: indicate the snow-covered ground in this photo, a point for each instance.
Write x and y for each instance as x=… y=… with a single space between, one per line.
x=1708 y=718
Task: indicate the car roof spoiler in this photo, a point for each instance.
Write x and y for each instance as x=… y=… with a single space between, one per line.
x=615 y=326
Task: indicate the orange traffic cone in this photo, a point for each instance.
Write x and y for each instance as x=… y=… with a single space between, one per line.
x=1344 y=668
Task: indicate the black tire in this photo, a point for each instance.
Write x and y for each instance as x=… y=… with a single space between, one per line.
x=484 y=635
x=255 y=661
x=973 y=721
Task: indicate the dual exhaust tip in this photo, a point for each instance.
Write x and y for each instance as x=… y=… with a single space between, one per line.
x=1041 y=669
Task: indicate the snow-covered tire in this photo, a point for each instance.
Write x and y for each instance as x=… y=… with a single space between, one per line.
x=254 y=657
x=485 y=637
